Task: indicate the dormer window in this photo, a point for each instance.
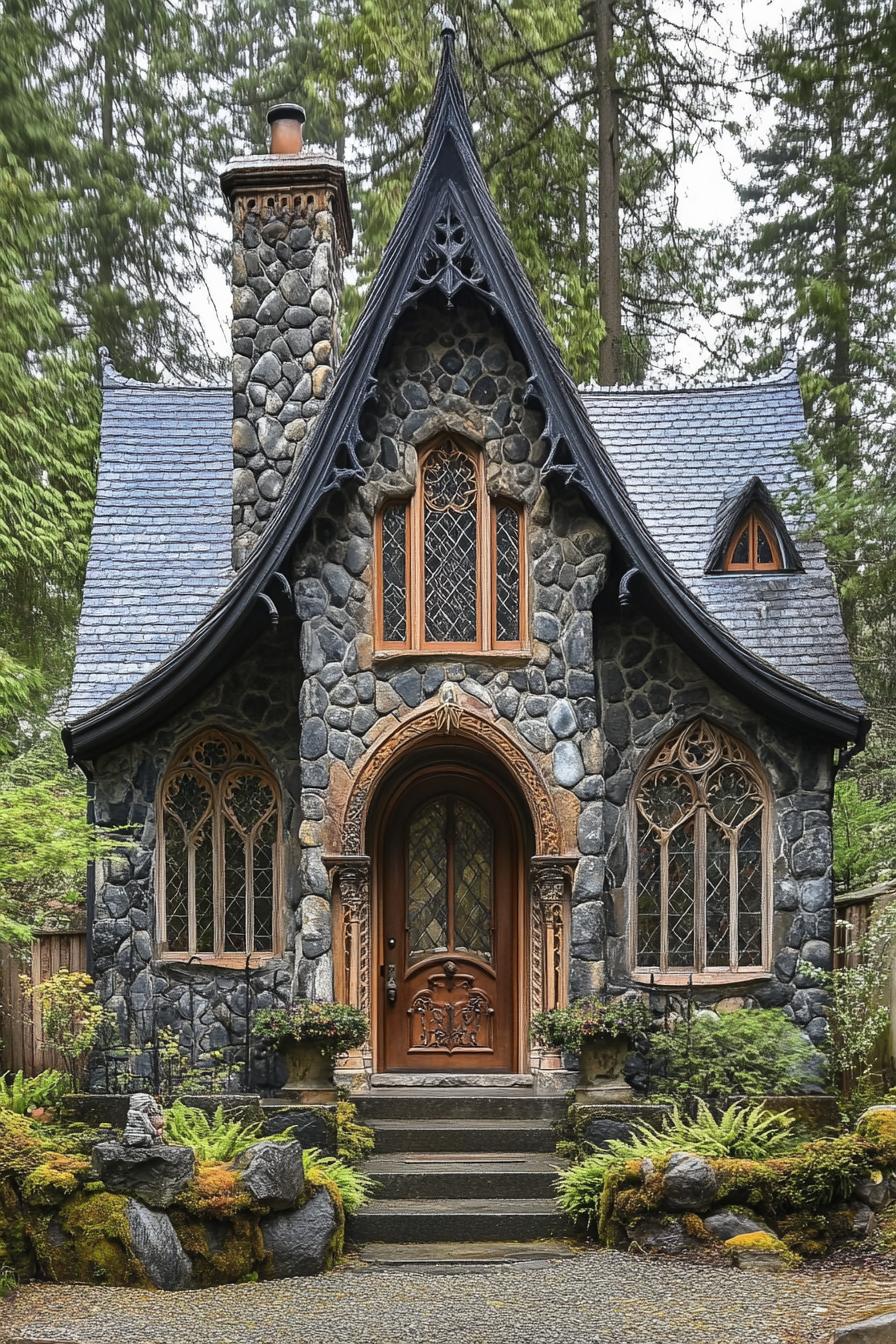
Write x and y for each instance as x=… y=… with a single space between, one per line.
x=753 y=547
x=451 y=573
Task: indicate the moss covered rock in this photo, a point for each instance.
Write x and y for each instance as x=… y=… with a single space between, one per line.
x=760 y=1250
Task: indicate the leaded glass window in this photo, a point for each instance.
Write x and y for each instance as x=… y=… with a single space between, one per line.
x=450 y=848
x=451 y=560
x=753 y=547
x=219 y=850
x=394 y=561
x=701 y=884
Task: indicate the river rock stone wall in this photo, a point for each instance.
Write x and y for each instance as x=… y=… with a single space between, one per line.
x=206 y=1007
x=647 y=688
x=287 y=284
x=449 y=370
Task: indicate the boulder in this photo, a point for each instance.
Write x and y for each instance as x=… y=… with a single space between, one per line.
x=154 y=1175
x=689 y=1183
x=762 y=1251
x=299 y=1241
x=725 y=1223
x=273 y=1174
x=874 y=1191
x=155 y=1244
x=874 y=1330
x=314 y=1126
x=668 y=1238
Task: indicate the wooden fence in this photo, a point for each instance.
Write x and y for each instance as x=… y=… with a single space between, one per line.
x=21 y=1045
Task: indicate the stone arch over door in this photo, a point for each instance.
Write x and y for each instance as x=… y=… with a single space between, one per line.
x=455 y=725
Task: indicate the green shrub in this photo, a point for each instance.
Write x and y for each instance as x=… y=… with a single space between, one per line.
x=566 y=1028
x=748 y=1053
x=23 y=1095
x=215 y=1140
x=354 y=1188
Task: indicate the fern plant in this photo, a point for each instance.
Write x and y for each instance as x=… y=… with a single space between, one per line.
x=22 y=1095
x=217 y=1139
x=354 y=1188
x=751 y=1132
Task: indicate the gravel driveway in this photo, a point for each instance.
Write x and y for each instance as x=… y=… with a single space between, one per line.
x=591 y=1298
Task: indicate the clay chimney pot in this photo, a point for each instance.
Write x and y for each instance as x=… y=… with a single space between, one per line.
x=285 y=121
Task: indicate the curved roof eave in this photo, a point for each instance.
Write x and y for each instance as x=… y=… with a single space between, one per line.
x=450 y=175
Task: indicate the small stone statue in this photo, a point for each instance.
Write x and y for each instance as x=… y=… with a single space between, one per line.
x=145 y=1122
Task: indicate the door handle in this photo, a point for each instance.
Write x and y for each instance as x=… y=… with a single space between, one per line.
x=391 y=983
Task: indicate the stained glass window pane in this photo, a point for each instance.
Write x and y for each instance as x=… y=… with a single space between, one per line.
x=176 y=890
x=189 y=799
x=263 y=887
x=507 y=573
x=395 y=598
x=749 y=894
x=234 y=890
x=205 y=918
x=449 y=547
x=764 y=553
x=648 y=899
x=427 y=879
x=666 y=798
x=473 y=847
x=718 y=890
x=741 y=553
x=681 y=895
x=732 y=795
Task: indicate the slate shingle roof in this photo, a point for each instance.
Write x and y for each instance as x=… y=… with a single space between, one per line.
x=680 y=453
x=160 y=547
x=160 y=550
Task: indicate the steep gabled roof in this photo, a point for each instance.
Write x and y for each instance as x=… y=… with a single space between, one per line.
x=449 y=236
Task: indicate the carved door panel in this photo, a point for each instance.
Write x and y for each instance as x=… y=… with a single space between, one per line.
x=450 y=878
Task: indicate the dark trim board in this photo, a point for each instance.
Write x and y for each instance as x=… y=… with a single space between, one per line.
x=450 y=193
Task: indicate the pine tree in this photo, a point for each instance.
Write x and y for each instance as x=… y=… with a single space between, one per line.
x=48 y=402
x=820 y=274
x=533 y=75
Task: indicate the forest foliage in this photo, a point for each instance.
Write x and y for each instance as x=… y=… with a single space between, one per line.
x=116 y=117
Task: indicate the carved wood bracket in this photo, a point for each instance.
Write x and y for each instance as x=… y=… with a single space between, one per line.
x=350 y=878
x=550 y=880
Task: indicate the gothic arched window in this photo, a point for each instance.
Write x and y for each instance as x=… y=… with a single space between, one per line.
x=702 y=881
x=753 y=548
x=451 y=561
x=219 y=851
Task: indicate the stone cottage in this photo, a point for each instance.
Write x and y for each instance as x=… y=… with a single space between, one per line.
x=424 y=679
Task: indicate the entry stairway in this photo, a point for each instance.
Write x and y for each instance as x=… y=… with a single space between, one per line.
x=460 y=1164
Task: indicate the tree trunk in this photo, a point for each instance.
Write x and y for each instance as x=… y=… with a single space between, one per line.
x=609 y=279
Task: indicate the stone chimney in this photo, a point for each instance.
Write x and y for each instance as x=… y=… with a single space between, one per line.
x=291 y=230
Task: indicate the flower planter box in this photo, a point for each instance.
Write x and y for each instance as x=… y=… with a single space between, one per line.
x=309 y=1071
x=601 y=1058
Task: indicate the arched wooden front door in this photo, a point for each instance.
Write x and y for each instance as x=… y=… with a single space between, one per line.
x=450 y=885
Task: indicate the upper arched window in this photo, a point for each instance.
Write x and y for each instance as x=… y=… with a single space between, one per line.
x=753 y=547
x=219 y=859
x=703 y=881
x=451 y=561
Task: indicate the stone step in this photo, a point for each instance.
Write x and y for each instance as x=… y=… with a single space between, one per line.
x=463 y=1176
x=446 y=1257
x=468 y=1103
x=464 y=1136
x=521 y=1081
x=458 y=1220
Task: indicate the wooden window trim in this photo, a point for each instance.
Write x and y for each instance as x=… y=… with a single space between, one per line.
x=246 y=759
x=487 y=508
x=700 y=974
x=753 y=565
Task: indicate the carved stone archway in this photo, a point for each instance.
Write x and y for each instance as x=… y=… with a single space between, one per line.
x=547 y=914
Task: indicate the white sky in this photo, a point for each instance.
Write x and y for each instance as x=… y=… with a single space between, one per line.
x=707 y=195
